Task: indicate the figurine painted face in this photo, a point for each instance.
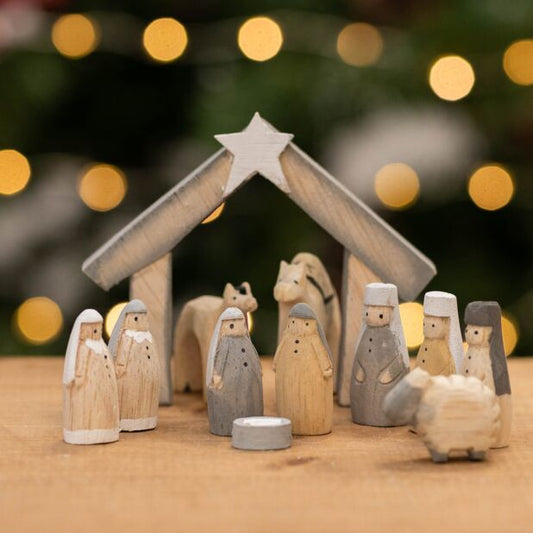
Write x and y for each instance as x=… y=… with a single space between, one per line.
x=136 y=321
x=302 y=326
x=235 y=327
x=436 y=327
x=91 y=330
x=478 y=335
x=378 y=315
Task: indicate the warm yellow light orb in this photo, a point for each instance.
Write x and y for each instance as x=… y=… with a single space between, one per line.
x=518 y=62
x=15 y=172
x=397 y=185
x=214 y=215
x=102 y=187
x=360 y=44
x=112 y=317
x=260 y=38
x=165 y=39
x=491 y=187
x=250 y=320
x=75 y=35
x=412 y=317
x=38 y=320
x=509 y=332
x=451 y=77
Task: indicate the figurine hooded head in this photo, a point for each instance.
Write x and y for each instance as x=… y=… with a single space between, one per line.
x=386 y=295
x=89 y=316
x=444 y=305
x=232 y=316
x=489 y=314
x=302 y=315
x=135 y=307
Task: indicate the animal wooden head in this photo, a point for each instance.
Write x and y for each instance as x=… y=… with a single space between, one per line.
x=291 y=282
x=240 y=296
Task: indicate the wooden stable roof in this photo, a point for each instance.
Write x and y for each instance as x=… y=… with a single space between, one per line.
x=162 y=226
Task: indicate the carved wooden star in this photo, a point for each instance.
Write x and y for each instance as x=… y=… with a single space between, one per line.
x=256 y=149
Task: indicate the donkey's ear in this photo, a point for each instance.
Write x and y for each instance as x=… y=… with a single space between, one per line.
x=246 y=285
x=228 y=290
x=283 y=265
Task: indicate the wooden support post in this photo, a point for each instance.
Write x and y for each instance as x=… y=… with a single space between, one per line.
x=153 y=285
x=354 y=278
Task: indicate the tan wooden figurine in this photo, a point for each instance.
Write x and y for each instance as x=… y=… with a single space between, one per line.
x=450 y=413
x=194 y=329
x=305 y=280
x=137 y=368
x=234 y=375
x=90 y=399
x=486 y=360
x=381 y=357
x=442 y=350
x=304 y=374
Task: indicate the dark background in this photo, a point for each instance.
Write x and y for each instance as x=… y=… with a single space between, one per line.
x=156 y=122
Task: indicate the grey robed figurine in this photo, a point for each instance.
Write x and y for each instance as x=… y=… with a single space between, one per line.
x=234 y=375
x=381 y=358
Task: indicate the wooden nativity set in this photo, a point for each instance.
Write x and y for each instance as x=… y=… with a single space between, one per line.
x=356 y=351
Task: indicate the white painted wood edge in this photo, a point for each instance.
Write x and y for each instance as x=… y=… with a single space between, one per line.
x=90 y=436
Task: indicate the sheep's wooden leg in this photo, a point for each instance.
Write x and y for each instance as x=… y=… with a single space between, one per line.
x=438 y=457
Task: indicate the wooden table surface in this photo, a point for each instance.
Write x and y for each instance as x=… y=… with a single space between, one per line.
x=180 y=478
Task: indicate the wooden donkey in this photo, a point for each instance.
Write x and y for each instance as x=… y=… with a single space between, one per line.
x=194 y=329
x=305 y=280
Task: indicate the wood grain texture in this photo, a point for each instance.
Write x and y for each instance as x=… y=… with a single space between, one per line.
x=356 y=275
x=381 y=478
x=153 y=285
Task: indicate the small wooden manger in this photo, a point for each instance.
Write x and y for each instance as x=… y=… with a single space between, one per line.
x=373 y=251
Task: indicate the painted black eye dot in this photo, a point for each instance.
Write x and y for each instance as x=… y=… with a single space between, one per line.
x=95 y=331
x=245 y=364
x=381 y=315
x=243 y=350
x=476 y=332
x=366 y=314
x=307 y=323
x=235 y=297
x=136 y=318
x=231 y=326
x=432 y=325
x=296 y=281
x=293 y=321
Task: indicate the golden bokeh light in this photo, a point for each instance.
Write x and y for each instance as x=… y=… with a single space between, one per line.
x=397 y=185
x=260 y=38
x=38 y=320
x=15 y=172
x=518 y=62
x=412 y=316
x=360 y=44
x=165 y=39
x=214 y=215
x=250 y=319
x=102 y=187
x=112 y=317
x=451 y=77
x=491 y=187
x=75 y=36
x=509 y=332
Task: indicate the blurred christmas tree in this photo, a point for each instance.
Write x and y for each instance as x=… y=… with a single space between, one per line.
x=423 y=109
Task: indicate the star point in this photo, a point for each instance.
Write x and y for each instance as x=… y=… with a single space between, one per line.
x=256 y=149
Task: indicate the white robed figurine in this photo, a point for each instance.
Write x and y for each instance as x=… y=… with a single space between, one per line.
x=90 y=401
x=137 y=367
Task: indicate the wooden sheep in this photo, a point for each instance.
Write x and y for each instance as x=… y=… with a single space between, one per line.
x=452 y=413
x=305 y=280
x=194 y=329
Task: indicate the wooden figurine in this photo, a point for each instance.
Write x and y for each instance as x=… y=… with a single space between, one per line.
x=305 y=280
x=90 y=399
x=441 y=351
x=261 y=433
x=137 y=368
x=141 y=251
x=486 y=360
x=381 y=358
x=450 y=413
x=304 y=374
x=194 y=330
x=234 y=377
